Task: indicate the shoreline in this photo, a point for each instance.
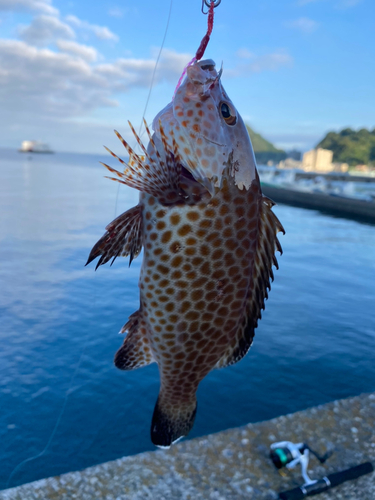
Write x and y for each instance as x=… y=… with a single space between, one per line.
x=232 y=464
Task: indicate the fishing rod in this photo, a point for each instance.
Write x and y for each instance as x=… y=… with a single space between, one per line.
x=289 y=455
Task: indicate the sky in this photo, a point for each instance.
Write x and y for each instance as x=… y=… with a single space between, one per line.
x=72 y=71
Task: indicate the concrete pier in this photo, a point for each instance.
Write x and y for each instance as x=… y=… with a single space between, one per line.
x=230 y=465
x=340 y=206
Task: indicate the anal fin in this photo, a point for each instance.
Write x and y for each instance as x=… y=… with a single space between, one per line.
x=123 y=237
x=134 y=353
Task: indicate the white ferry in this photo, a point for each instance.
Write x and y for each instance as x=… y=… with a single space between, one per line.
x=34 y=147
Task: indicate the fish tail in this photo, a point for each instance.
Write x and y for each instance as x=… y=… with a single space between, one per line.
x=170 y=423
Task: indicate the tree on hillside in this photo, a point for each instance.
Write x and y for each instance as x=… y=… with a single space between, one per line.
x=264 y=150
x=350 y=146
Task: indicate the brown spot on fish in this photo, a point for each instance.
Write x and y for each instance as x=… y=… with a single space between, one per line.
x=175 y=219
x=190 y=251
x=205 y=250
x=175 y=247
x=176 y=261
x=162 y=269
x=182 y=284
x=184 y=230
x=224 y=209
x=165 y=237
x=205 y=267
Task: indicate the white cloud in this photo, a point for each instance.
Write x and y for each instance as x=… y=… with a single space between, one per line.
x=244 y=54
x=257 y=64
x=85 y=52
x=303 y=24
x=36 y=83
x=44 y=30
x=44 y=6
x=101 y=32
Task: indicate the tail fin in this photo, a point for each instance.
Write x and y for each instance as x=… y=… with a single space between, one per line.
x=170 y=424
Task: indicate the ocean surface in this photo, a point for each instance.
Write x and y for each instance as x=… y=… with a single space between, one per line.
x=64 y=406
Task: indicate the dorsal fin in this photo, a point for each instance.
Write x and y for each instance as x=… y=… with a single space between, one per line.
x=268 y=243
x=123 y=237
x=135 y=351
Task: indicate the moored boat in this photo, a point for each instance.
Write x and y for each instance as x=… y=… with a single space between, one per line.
x=34 y=147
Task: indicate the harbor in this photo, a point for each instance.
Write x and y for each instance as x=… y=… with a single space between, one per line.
x=61 y=324
x=340 y=194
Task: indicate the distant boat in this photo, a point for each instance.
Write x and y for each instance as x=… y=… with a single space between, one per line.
x=34 y=147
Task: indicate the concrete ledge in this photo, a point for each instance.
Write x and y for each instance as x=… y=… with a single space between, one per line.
x=344 y=207
x=229 y=465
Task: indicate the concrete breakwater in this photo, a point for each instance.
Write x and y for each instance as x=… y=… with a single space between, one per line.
x=346 y=207
x=230 y=465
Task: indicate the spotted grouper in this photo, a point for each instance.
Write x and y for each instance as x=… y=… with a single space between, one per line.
x=209 y=238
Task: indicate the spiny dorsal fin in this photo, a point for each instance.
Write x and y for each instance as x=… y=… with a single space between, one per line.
x=268 y=243
x=135 y=351
x=123 y=237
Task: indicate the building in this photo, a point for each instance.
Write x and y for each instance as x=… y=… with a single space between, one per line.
x=340 y=167
x=317 y=160
x=290 y=163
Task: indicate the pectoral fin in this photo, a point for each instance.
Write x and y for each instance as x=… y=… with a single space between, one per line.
x=159 y=171
x=123 y=237
x=135 y=351
x=268 y=243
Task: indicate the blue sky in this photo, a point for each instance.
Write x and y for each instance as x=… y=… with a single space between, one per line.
x=72 y=71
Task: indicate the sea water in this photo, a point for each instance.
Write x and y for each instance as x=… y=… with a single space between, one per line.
x=59 y=324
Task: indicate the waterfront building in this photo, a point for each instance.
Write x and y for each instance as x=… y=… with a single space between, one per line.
x=289 y=163
x=317 y=160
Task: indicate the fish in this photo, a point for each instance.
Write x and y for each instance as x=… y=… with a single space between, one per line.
x=209 y=238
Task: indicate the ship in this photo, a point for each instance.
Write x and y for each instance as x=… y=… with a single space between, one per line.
x=34 y=147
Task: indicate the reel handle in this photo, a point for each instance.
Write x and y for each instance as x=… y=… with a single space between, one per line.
x=329 y=482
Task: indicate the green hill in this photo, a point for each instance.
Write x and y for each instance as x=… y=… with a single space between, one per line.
x=264 y=150
x=351 y=147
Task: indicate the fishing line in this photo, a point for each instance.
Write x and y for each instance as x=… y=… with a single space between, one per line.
x=56 y=424
x=151 y=86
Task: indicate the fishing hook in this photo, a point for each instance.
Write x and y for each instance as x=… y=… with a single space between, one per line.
x=208 y=4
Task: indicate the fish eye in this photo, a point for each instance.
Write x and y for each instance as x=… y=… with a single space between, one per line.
x=228 y=113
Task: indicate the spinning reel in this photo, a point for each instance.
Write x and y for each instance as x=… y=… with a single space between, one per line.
x=289 y=455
